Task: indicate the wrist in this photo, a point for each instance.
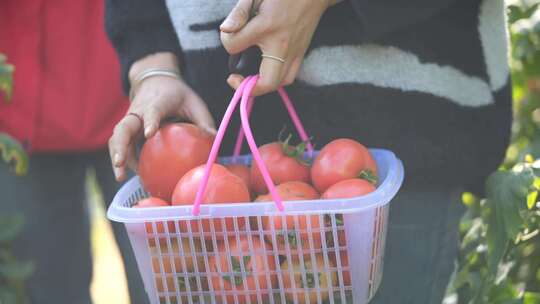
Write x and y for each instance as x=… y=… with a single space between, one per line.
x=163 y=61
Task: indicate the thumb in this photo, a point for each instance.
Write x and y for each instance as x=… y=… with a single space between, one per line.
x=238 y=17
x=197 y=112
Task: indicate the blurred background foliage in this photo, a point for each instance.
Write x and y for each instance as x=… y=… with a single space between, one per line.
x=13 y=272
x=499 y=258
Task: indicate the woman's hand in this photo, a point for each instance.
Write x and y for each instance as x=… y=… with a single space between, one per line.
x=156 y=98
x=281 y=28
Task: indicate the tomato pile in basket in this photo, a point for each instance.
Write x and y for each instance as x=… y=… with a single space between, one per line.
x=171 y=167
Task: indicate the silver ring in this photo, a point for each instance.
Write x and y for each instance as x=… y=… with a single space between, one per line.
x=273 y=57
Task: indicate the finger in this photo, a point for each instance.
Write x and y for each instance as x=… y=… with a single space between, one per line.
x=195 y=110
x=124 y=132
x=131 y=159
x=270 y=73
x=151 y=119
x=234 y=80
x=292 y=72
x=238 y=17
x=237 y=42
x=118 y=170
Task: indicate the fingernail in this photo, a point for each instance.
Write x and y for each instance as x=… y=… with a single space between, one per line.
x=117 y=159
x=147 y=131
x=228 y=23
x=116 y=173
x=210 y=130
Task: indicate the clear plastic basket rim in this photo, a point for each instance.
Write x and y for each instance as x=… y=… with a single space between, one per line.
x=391 y=173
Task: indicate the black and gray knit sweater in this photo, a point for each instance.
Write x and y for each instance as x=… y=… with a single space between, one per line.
x=427 y=79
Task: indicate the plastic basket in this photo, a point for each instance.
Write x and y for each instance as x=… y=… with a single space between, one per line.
x=324 y=251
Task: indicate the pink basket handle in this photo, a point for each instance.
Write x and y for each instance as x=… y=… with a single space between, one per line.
x=294 y=117
x=253 y=146
x=240 y=137
x=215 y=146
x=243 y=93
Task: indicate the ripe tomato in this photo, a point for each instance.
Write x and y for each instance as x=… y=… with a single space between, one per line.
x=344 y=260
x=155 y=202
x=241 y=171
x=348 y=188
x=222 y=187
x=151 y=202
x=342 y=240
x=171 y=256
x=167 y=263
x=342 y=159
x=257 y=265
x=284 y=163
x=169 y=154
x=308 y=286
x=293 y=191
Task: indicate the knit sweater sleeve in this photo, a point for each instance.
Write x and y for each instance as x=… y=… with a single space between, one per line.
x=382 y=17
x=138 y=28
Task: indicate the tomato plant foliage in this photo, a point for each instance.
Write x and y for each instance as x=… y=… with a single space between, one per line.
x=499 y=257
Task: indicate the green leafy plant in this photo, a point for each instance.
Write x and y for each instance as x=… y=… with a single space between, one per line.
x=6 y=77
x=11 y=150
x=499 y=258
x=13 y=273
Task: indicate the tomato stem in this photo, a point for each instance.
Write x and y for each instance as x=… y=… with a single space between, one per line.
x=369 y=176
x=296 y=152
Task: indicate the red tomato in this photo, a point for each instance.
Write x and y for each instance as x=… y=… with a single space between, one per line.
x=223 y=187
x=169 y=154
x=293 y=191
x=256 y=264
x=155 y=202
x=342 y=159
x=344 y=259
x=308 y=286
x=349 y=188
x=241 y=171
x=284 y=163
x=151 y=202
x=171 y=260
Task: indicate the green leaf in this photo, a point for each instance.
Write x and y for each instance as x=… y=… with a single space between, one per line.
x=497 y=242
x=10 y=227
x=6 y=77
x=476 y=283
x=246 y=260
x=461 y=279
x=183 y=284
x=507 y=193
x=505 y=293
x=339 y=219
x=531 y=298
x=310 y=280
x=236 y=264
x=236 y=278
x=290 y=237
x=14 y=154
